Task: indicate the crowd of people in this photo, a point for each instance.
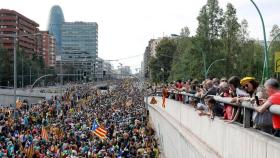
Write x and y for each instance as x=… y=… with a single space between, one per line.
x=238 y=90
x=63 y=126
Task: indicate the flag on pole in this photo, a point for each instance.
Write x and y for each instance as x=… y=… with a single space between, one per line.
x=44 y=134
x=99 y=131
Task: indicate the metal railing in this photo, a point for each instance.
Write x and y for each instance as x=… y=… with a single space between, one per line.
x=246 y=105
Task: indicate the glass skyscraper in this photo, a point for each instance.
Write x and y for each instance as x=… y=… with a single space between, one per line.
x=79 y=40
x=76 y=43
x=79 y=43
x=56 y=19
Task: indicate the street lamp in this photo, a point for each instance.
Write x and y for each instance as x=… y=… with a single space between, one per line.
x=58 y=58
x=15 y=36
x=206 y=73
x=265 y=66
x=121 y=70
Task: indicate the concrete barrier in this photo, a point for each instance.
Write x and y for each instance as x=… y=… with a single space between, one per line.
x=183 y=133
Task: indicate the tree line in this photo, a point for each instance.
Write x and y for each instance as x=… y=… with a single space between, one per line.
x=219 y=36
x=29 y=68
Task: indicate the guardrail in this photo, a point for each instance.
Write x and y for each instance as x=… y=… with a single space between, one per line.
x=248 y=107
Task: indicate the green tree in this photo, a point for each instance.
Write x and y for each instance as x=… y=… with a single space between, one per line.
x=6 y=68
x=161 y=64
x=209 y=31
x=243 y=35
x=185 y=32
x=230 y=39
x=275 y=45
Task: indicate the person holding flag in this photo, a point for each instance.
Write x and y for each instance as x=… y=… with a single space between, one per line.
x=44 y=133
x=164 y=95
x=99 y=131
x=29 y=149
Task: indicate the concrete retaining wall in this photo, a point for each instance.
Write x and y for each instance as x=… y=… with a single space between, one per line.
x=185 y=134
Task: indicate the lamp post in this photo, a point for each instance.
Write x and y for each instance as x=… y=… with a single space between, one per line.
x=15 y=36
x=15 y=70
x=206 y=73
x=30 y=74
x=265 y=66
x=22 y=71
x=61 y=77
x=58 y=58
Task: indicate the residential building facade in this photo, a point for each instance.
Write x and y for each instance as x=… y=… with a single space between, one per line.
x=150 y=51
x=14 y=23
x=48 y=48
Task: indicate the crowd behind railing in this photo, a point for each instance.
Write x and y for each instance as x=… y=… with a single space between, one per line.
x=234 y=100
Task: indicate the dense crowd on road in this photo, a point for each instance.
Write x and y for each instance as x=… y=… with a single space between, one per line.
x=63 y=127
x=238 y=90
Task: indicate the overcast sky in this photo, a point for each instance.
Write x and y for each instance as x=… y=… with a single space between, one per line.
x=126 y=26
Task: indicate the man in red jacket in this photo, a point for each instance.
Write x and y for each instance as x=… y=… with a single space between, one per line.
x=272 y=89
x=179 y=87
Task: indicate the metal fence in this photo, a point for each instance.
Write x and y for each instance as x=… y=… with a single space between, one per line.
x=246 y=105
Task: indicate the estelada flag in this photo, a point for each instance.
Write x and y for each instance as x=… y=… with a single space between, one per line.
x=99 y=131
x=153 y=101
x=29 y=149
x=44 y=134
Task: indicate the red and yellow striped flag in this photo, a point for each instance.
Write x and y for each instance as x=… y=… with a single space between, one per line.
x=44 y=134
x=99 y=131
x=29 y=149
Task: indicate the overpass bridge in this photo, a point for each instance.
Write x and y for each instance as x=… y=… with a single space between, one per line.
x=37 y=94
x=183 y=133
x=7 y=96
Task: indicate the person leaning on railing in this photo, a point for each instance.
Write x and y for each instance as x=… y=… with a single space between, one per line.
x=262 y=121
x=236 y=92
x=227 y=109
x=272 y=89
x=179 y=87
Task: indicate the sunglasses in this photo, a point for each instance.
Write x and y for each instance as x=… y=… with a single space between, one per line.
x=246 y=86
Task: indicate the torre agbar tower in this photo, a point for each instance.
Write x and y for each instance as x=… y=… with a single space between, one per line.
x=56 y=19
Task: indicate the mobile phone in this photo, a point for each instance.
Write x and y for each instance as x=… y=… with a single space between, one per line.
x=257 y=100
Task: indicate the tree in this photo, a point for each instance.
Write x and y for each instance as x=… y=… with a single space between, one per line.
x=209 y=31
x=274 y=33
x=161 y=64
x=181 y=63
x=243 y=31
x=6 y=68
x=274 y=45
x=230 y=39
x=185 y=32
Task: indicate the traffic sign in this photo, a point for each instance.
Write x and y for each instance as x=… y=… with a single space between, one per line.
x=277 y=62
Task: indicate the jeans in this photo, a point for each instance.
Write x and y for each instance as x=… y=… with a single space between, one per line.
x=277 y=133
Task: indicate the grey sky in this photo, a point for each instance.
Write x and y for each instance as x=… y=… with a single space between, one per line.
x=125 y=26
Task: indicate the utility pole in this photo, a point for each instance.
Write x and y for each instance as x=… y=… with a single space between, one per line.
x=15 y=69
x=22 y=71
x=30 y=74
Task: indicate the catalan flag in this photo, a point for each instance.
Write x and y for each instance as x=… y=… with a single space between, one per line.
x=99 y=131
x=44 y=133
x=29 y=149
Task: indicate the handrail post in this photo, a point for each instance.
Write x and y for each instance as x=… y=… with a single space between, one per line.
x=246 y=118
